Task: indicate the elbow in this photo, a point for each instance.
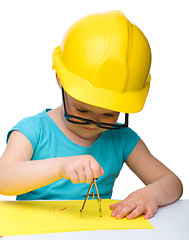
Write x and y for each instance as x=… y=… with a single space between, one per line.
x=5 y=193
x=177 y=187
x=4 y=190
x=180 y=188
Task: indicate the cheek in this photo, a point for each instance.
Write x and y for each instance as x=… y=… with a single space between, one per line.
x=116 y=118
x=111 y=120
x=71 y=126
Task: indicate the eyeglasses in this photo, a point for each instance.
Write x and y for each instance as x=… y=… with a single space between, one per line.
x=84 y=121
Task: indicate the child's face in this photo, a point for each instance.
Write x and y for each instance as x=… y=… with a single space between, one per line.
x=84 y=110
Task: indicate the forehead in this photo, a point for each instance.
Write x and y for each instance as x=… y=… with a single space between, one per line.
x=78 y=104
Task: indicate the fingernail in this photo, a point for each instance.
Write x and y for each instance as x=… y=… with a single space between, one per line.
x=118 y=216
x=113 y=214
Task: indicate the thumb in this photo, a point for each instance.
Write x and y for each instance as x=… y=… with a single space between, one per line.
x=101 y=171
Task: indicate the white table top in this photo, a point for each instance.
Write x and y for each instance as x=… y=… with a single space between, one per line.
x=170 y=222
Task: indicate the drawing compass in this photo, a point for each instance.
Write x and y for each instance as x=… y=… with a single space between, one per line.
x=92 y=195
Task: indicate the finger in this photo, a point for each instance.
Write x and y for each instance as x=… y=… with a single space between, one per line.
x=101 y=171
x=122 y=210
x=116 y=211
x=136 y=212
x=81 y=175
x=74 y=177
x=88 y=174
x=113 y=206
x=150 y=213
x=96 y=169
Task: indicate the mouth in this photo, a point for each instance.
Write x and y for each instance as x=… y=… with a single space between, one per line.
x=90 y=129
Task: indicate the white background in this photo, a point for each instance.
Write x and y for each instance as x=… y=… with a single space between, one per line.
x=30 y=30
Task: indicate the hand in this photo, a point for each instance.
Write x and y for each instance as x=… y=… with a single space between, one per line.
x=139 y=202
x=80 y=169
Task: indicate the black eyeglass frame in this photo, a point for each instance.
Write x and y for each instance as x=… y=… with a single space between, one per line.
x=88 y=121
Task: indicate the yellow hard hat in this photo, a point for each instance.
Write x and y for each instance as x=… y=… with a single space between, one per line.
x=104 y=60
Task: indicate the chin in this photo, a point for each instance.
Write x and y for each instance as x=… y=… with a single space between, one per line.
x=88 y=134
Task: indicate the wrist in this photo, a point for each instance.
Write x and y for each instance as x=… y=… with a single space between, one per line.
x=153 y=193
x=60 y=167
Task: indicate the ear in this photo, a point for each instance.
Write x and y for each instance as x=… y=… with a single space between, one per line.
x=58 y=81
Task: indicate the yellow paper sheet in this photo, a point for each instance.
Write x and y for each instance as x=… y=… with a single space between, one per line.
x=38 y=217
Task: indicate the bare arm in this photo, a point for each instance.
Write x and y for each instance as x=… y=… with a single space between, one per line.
x=166 y=186
x=162 y=185
x=19 y=175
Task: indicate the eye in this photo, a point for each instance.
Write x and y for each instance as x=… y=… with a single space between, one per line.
x=109 y=115
x=82 y=110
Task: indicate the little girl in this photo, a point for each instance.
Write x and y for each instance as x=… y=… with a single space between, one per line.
x=102 y=68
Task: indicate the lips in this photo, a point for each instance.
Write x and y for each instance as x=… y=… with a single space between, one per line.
x=90 y=129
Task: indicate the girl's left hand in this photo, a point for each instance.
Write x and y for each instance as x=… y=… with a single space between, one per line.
x=139 y=202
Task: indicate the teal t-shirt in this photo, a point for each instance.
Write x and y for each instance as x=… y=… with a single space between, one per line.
x=111 y=150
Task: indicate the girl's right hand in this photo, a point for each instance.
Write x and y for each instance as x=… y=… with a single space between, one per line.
x=80 y=169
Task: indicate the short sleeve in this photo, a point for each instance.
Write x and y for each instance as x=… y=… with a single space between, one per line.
x=130 y=140
x=30 y=128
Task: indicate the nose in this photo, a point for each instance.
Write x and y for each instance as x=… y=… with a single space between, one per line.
x=92 y=125
x=95 y=118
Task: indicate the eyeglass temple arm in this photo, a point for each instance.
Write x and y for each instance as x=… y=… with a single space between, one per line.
x=63 y=100
x=126 y=119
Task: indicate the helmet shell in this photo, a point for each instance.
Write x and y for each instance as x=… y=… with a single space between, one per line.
x=104 y=60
